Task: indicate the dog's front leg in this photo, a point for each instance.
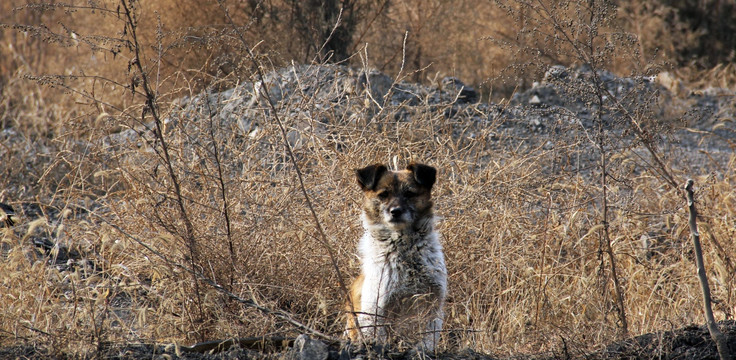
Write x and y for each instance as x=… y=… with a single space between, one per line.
x=372 y=317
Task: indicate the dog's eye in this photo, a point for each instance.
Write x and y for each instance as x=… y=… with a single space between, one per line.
x=383 y=195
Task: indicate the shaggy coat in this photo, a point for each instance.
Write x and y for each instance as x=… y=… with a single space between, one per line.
x=401 y=290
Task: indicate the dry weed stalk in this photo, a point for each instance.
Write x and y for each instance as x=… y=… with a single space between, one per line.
x=582 y=36
x=152 y=108
x=724 y=349
x=190 y=238
x=284 y=137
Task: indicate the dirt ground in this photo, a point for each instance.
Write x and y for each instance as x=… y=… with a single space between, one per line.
x=691 y=342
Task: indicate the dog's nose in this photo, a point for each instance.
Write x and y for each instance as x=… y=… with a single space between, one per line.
x=396 y=211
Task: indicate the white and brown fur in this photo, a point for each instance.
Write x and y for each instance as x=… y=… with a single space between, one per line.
x=401 y=290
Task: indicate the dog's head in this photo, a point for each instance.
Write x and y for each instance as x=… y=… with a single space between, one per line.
x=397 y=199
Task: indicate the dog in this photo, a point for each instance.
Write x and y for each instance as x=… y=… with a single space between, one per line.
x=401 y=291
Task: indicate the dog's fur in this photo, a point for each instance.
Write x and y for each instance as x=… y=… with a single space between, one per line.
x=401 y=290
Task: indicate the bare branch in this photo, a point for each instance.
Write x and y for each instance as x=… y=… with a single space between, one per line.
x=721 y=341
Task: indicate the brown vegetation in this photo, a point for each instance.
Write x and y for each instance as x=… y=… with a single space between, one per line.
x=189 y=197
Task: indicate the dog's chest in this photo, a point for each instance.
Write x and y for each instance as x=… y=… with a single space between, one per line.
x=407 y=267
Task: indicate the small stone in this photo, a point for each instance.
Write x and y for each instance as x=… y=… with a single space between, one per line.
x=309 y=349
x=555 y=72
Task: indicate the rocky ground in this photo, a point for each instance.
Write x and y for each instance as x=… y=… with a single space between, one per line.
x=692 y=125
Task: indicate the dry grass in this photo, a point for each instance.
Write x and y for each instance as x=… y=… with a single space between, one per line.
x=495 y=46
x=524 y=246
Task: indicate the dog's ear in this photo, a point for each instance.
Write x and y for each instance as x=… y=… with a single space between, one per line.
x=424 y=175
x=369 y=175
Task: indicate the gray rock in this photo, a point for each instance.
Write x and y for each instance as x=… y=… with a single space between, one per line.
x=310 y=349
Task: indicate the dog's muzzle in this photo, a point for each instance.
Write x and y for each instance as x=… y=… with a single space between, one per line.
x=398 y=215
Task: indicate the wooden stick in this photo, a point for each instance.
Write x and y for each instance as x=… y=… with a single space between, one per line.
x=721 y=341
